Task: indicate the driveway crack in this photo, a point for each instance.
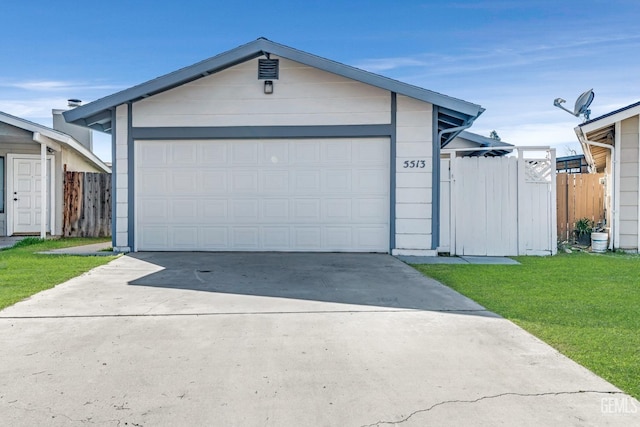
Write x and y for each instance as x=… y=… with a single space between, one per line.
x=495 y=396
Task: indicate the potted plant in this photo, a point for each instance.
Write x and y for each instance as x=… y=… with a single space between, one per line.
x=583 y=229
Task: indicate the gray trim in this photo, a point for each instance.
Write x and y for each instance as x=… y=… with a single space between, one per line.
x=261 y=132
x=131 y=178
x=114 y=190
x=435 y=183
x=253 y=50
x=392 y=172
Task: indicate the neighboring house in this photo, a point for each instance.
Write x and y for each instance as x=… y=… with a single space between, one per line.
x=611 y=146
x=268 y=148
x=572 y=164
x=487 y=147
x=26 y=147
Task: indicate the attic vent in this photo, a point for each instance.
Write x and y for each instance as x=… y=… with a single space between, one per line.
x=267 y=69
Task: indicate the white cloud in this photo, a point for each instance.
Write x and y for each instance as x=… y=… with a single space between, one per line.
x=58 y=85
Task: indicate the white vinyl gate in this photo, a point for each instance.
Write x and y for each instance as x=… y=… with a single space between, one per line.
x=499 y=206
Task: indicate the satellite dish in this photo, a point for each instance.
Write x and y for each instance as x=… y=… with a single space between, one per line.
x=582 y=104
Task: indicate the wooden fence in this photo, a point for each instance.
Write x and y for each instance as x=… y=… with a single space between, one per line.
x=87 y=204
x=578 y=196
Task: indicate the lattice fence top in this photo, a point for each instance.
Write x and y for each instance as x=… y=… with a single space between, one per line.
x=538 y=170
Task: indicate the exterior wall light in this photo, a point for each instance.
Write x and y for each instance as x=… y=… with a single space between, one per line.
x=268 y=87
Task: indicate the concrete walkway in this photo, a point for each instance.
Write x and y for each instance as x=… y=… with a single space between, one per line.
x=164 y=339
x=95 y=249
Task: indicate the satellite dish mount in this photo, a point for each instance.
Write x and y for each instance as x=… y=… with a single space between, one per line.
x=582 y=104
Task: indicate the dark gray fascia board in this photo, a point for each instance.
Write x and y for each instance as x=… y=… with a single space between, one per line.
x=255 y=49
x=261 y=132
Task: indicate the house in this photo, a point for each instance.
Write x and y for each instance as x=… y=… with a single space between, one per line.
x=572 y=164
x=467 y=142
x=33 y=158
x=268 y=148
x=611 y=146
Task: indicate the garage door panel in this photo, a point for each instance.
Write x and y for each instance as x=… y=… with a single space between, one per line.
x=245 y=210
x=306 y=152
x=213 y=237
x=214 y=182
x=184 y=210
x=155 y=155
x=154 y=237
x=152 y=182
x=275 y=210
x=244 y=181
x=283 y=195
x=278 y=237
x=338 y=210
x=275 y=182
x=184 y=237
x=338 y=237
x=244 y=153
x=308 y=238
x=184 y=182
x=306 y=210
x=245 y=237
x=184 y=154
x=215 y=210
x=337 y=152
x=367 y=210
x=275 y=154
x=154 y=210
x=212 y=154
x=306 y=181
x=371 y=154
x=371 y=237
x=369 y=181
x=336 y=181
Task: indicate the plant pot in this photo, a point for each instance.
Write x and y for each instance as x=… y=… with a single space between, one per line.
x=599 y=242
x=583 y=239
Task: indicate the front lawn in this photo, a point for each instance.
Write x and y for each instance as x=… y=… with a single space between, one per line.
x=585 y=305
x=24 y=273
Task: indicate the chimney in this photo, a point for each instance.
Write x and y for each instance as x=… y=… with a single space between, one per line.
x=81 y=134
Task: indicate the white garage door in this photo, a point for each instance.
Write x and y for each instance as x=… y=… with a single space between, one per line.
x=270 y=195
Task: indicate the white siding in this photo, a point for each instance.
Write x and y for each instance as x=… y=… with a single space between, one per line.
x=629 y=184
x=121 y=169
x=234 y=97
x=413 y=185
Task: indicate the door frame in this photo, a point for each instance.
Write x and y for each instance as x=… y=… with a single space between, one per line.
x=51 y=194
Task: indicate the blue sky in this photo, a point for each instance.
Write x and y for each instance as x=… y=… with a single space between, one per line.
x=511 y=57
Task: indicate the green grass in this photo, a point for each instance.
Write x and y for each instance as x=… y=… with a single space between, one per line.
x=585 y=305
x=24 y=272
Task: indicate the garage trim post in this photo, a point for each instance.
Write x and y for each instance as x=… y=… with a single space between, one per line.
x=435 y=183
x=131 y=177
x=392 y=171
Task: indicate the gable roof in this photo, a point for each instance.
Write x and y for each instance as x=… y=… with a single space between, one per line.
x=601 y=130
x=59 y=137
x=611 y=117
x=97 y=114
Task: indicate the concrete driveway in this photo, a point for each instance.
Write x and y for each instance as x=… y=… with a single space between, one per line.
x=204 y=339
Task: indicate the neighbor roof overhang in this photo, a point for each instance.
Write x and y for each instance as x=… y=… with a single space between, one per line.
x=53 y=139
x=452 y=112
x=602 y=131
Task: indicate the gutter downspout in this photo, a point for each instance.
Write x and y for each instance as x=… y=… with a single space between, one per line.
x=614 y=175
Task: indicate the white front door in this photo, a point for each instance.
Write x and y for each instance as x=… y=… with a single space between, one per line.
x=25 y=194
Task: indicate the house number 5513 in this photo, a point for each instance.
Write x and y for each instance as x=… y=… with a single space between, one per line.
x=413 y=164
